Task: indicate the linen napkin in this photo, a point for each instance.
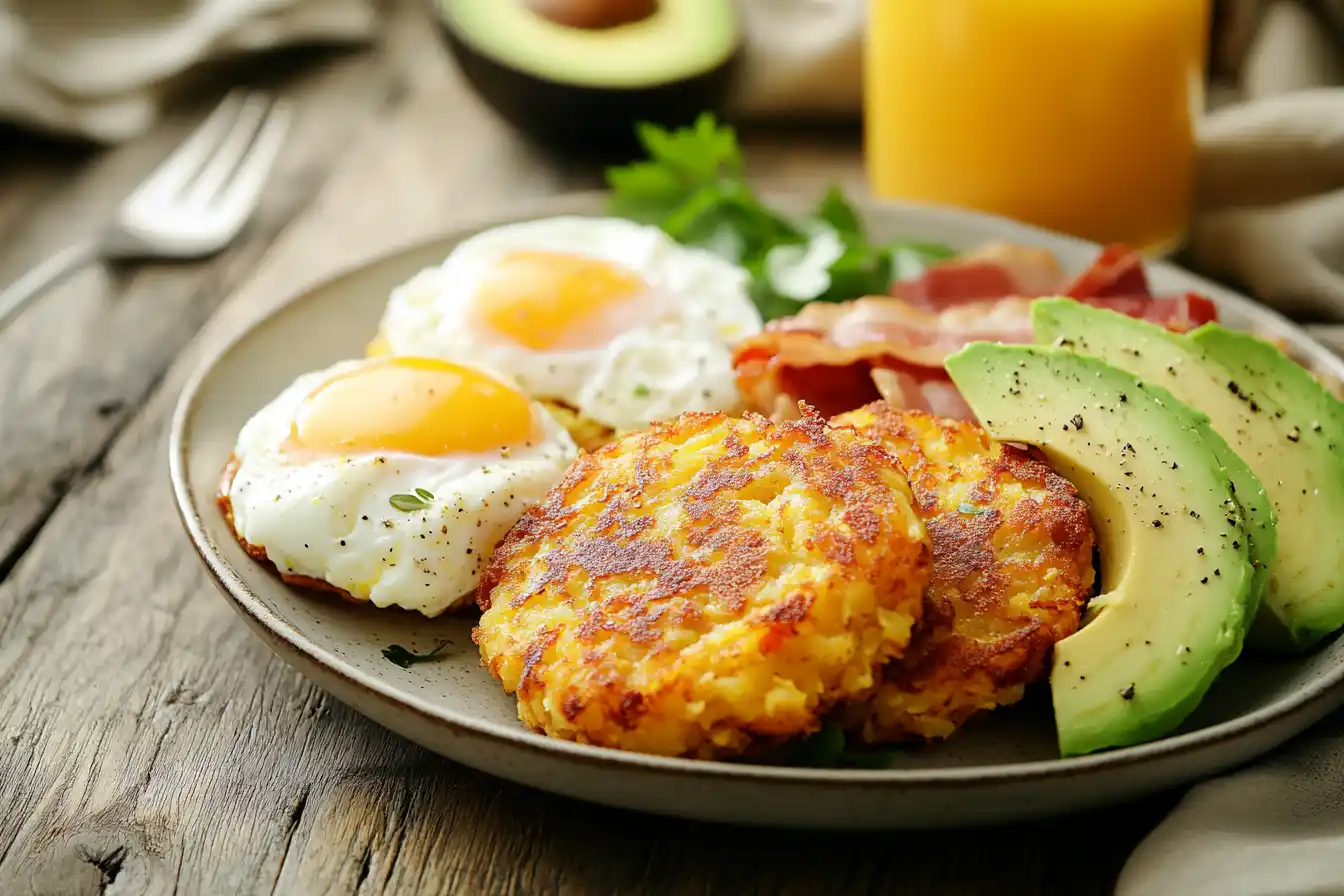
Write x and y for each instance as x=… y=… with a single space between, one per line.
x=1275 y=829
x=102 y=69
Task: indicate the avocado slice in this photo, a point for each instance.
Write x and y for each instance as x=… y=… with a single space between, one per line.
x=1154 y=353
x=576 y=85
x=1301 y=594
x=1177 y=594
x=1305 y=594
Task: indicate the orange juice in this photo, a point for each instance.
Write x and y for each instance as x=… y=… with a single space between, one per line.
x=1077 y=115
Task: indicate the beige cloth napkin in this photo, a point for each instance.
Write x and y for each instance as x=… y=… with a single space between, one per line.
x=1275 y=829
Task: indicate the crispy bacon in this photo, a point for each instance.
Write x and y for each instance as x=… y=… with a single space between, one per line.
x=1179 y=313
x=1118 y=271
x=993 y=271
x=841 y=356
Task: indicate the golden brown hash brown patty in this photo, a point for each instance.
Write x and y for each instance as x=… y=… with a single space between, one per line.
x=1012 y=570
x=707 y=587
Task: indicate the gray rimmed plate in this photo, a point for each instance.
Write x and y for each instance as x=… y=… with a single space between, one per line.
x=1001 y=767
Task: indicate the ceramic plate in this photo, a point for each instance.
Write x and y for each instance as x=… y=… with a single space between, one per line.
x=1002 y=767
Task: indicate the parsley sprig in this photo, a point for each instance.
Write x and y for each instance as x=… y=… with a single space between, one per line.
x=409 y=503
x=693 y=186
x=404 y=658
x=830 y=748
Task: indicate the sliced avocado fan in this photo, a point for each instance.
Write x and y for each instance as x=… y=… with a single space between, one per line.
x=680 y=39
x=1177 y=594
x=1158 y=356
x=1304 y=482
x=1304 y=424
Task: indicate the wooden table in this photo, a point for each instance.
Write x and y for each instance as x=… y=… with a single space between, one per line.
x=148 y=743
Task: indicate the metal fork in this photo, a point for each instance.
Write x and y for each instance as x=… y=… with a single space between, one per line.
x=191 y=206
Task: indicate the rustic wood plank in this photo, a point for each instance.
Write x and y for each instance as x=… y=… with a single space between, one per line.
x=30 y=170
x=155 y=746
x=77 y=363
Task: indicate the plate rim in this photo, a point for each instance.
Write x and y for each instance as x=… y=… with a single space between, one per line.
x=246 y=602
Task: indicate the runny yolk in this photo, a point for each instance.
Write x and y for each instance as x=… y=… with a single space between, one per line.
x=555 y=300
x=413 y=406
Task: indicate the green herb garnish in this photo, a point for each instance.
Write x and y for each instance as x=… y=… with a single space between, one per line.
x=642 y=391
x=971 y=509
x=693 y=186
x=405 y=659
x=824 y=749
x=418 y=501
x=829 y=748
x=873 y=758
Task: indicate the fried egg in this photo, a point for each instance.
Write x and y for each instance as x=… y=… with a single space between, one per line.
x=609 y=317
x=391 y=480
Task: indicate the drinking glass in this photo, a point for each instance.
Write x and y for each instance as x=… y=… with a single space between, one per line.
x=1076 y=115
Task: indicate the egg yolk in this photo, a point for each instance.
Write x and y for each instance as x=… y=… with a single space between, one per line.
x=556 y=300
x=412 y=406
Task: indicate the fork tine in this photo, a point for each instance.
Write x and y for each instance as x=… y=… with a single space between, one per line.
x=229 y=151
x=239 y=197
x=176 y=170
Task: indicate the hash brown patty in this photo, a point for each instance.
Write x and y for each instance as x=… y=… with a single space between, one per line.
x=706 y=588
x=1012 y=571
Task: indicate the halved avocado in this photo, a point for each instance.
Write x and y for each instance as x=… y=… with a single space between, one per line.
x=1176 y=598
x=579 y=74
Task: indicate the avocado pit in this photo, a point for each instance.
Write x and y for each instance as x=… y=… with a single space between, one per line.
x=593 y=15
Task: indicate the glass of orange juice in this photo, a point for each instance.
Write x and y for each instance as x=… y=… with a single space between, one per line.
x=1076 y=115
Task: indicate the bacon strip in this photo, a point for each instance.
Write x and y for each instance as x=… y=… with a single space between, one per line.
x=1118 y=271
x=838 y=357
x=993 y=271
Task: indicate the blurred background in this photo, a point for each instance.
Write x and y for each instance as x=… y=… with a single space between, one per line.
x=1207 y=125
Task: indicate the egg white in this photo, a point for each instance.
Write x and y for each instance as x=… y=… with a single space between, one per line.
x=679 y=359
x=329 y=517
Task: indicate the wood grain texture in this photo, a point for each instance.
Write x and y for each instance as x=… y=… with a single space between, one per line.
x=148 y=743
x=89 y=352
